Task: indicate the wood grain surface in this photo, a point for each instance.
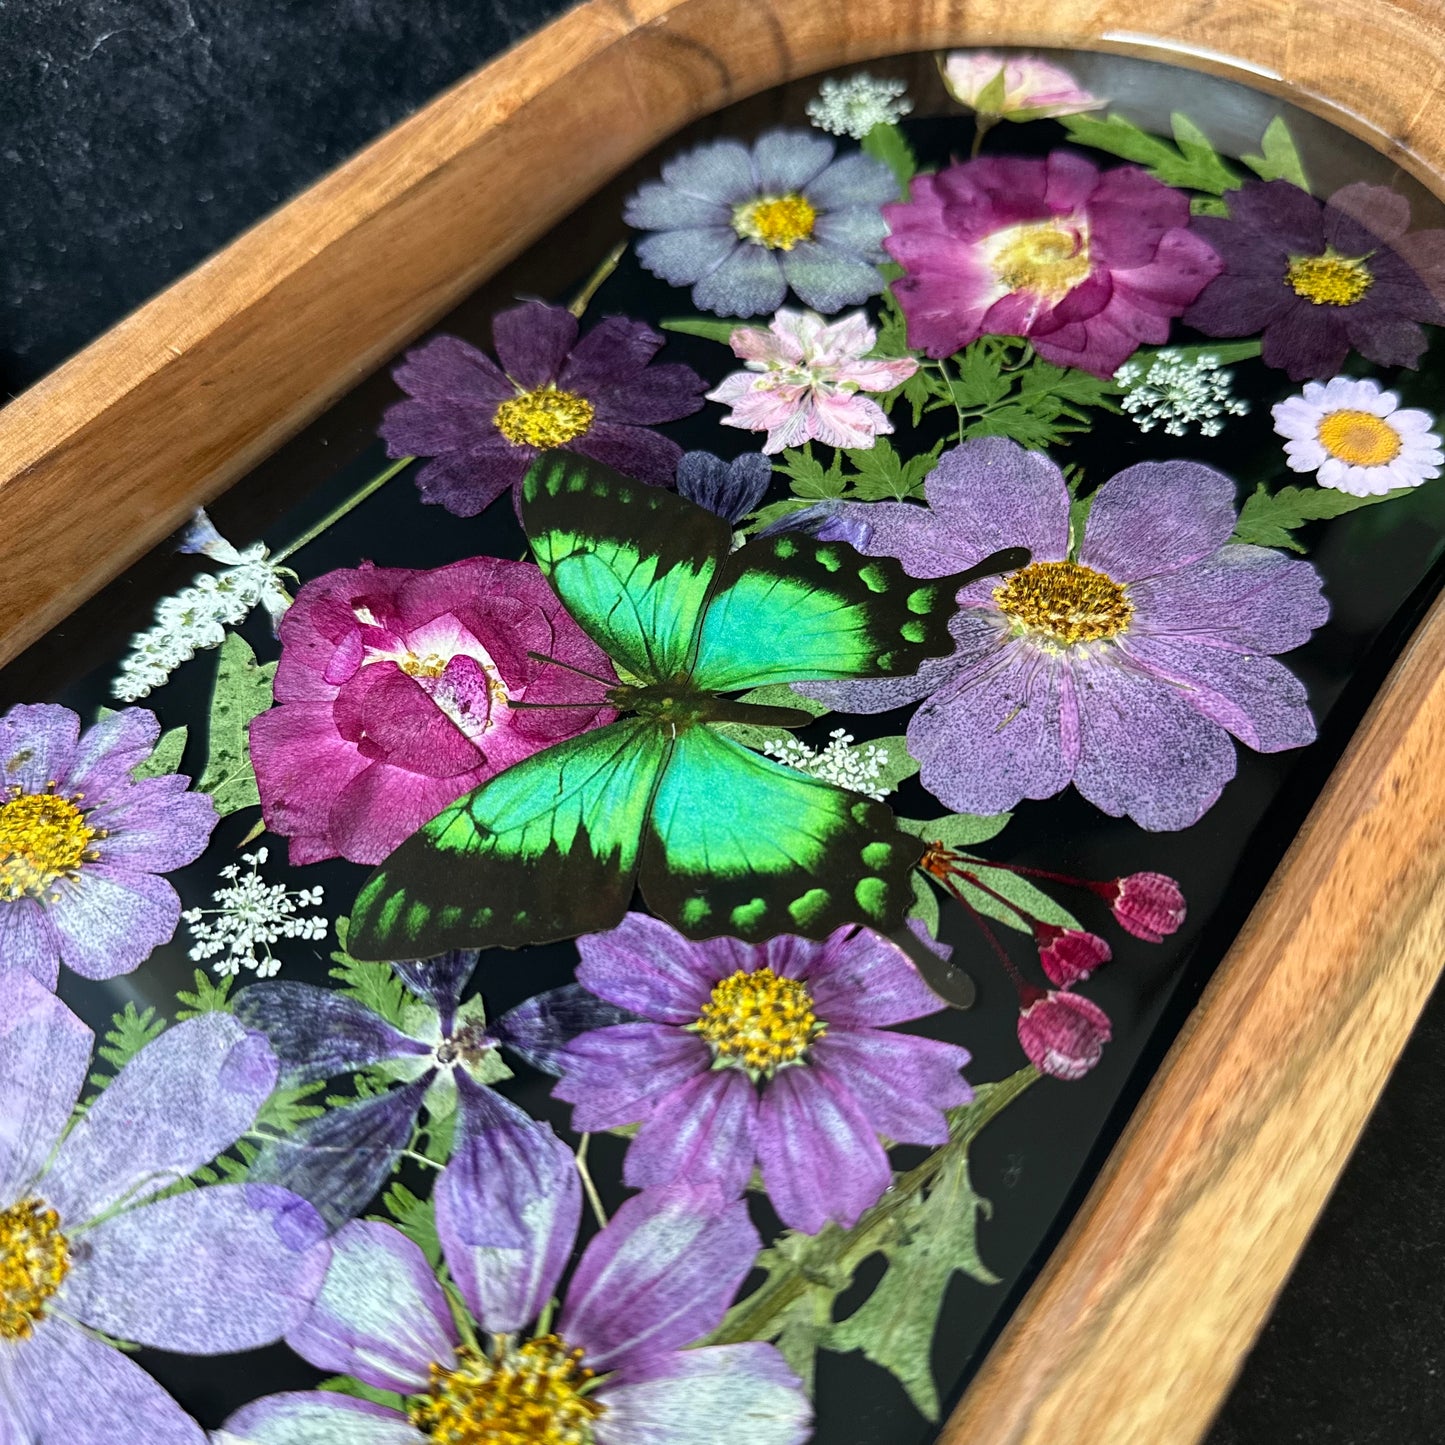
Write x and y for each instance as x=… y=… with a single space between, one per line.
x=1136 y=1328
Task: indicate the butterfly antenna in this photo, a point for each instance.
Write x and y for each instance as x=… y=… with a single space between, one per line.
x=580 y=671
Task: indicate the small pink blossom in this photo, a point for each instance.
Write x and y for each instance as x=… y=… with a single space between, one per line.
x=1032 y=88
x=1062 y=1033
x=1069 y=955
x=803 y=381
x=1149 y=905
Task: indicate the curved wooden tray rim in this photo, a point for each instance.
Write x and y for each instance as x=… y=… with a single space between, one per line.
x=1137 y=1325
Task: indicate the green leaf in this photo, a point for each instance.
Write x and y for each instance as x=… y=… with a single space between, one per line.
x=1208 y=206
x=990 y=99
x=701 y=326
x=243 y=691
x=888 y=144
x=780 y=694
x=808 y=477
x=374 y=984
x=1014 y=888
x=765 y=516
x=129 y=1032
x=1208 y=171
x=360 y=1390
x=167 y=755
x=1226 y=353
x=925 y=903
x=957 y=830
x=1191 y=163
x=1280 y=160
x=980 y=381
x=1268 y=519
x=882 y=475
x=208 y=997
x=900 y=763
x=289 y=1107
x=416 y=1218
x=1079 y=510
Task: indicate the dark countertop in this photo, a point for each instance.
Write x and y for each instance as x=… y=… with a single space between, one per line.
x=137 y=136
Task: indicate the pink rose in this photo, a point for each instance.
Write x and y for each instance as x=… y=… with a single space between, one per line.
x=1014 y=87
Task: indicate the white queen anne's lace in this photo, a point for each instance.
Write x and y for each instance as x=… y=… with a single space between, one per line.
x=855 y=105
x=1178 y=391
x=841 y=763
x=251 y=915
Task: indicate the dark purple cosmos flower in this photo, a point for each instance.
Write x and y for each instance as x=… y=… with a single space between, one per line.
x=744 y=224
x=1089 y=265
x=1062 y=1033
x=340 y=1159
x=89 y=1253
x=1122 y=669
x=82 y=843
x=1318 y=278
x=730 y=489
x=613 y=1371
x=483 y=424
x=773 y=1054
x=395 y=695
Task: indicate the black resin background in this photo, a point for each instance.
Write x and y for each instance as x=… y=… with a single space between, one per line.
x=246 y=108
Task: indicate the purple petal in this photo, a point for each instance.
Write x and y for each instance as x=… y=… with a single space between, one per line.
x=853 y=179
x=731 y=489
x=111 y=919
x=1157 y=517
x=859 y=979
x=632 y=450
x=539 y=1029
x=828 y=278
x=902 y=1083
x=28 y=943
x=72 y=1389
x=655 y=206
x=37 y=743
x=182 y=1100
x=108 y=751
x=615 y=349
x=155 y=825
x=532 y=341
x=467 y=484
x=715 y=171
x=648 y=967
x=747 y=283
x=990 y=493
x=380 y=1314
x=448 y=369
x=317 y=1033
x=440 y=981
x=507 y=1207
x=619 y=1075
x=317 y=1417
x=786 y=160
x=720 y=1395
x=209 y=1272
x=703 y=1133
x=687 y=254
x=44 y=1057
x=820 y=1156
x=660 y=1276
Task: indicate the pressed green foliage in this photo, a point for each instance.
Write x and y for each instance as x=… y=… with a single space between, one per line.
x=416 y=1218
x=1191 y=162
x=243 y=691
x=208 y=997
x=1279 y=159
x=705 y=327
x=888 y=144
x=374 y=984
x=360 y=1390
x=167 y=755
x=129 y=1032
x=1268 y=519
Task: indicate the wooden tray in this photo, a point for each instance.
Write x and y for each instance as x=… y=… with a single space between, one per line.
x=1139 y=1322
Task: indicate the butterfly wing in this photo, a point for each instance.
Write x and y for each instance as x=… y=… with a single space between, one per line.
x=547 y=849
x=740 y=845
x=794 y=609
x=633 y=564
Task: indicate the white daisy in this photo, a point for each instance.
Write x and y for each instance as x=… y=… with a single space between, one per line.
x=1355 y=438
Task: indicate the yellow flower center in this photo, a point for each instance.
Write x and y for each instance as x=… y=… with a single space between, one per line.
x=544 y=418
x=42 y=837
x=1329 y=280
x=527 y=1395
x=777 y=222
x=1359 y=438
x=432 y=665
x=34 y=1260
x=1042 y=257
x=1065 y=601
x=758 y=1021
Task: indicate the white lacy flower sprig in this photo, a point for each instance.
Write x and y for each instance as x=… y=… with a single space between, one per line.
x=856 y=768
x=1179 y=391
x=251 y=914
x=197 y=617
x=854 y=106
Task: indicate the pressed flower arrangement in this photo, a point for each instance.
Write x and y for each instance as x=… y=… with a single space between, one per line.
x=687 y=859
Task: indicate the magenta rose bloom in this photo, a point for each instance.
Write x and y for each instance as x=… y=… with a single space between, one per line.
x=397 y=693
x=1088 y=265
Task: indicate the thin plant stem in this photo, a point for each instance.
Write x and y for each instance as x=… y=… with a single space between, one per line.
x=588 y=1187
x=338 y=512
x=594 y=281
x=982 y=124
x=1008 y=903
x=1015 y=977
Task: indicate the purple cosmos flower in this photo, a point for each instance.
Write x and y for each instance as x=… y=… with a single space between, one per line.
x=395 y=696
x=88 y=1250
x=339 y=1160
x=483 y=424
x=774 y=1054
x=1122 y=669
x=613 y=1371
x=1089 y=265
x=741 y=225
x=82 y=843
x=1321 y=277
x=730 y=489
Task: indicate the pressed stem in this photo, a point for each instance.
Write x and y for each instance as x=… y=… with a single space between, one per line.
x=338 y=512
x=1008 y=903
x=1018 y=980
x=588 y=1187
x=594 y=281
x=982 y=124
x=1092 y=885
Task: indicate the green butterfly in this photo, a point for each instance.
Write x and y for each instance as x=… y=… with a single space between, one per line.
x=720 y=839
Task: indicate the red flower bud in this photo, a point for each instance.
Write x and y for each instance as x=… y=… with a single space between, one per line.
x=1148 y=905
x=1068 y=954
x=1063 y=1033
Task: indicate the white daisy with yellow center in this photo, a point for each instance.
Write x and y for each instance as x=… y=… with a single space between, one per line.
x=1357 y=438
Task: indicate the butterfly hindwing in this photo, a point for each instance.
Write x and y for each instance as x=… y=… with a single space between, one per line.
x=740 y=845
x=547 y=849
x=633 y=564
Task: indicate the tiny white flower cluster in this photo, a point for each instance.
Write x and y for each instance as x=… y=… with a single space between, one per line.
x=251 y=914
x=197 y=617
x=1178 y=390
x=856 y=768
x=854 y=106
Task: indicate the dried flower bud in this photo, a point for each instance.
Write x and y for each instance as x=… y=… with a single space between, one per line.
x=1148 y=905
x=1015 y=87
x=1062 y=1033
x=1068 y=955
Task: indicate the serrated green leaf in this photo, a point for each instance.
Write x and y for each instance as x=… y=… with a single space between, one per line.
x=888 y=144
x=766 y=516
x=1280 y=159
x=167 y=755
x=208 y=997
x=416 y=1218
x=702 y=326
x=288 y=1107
x=1269 y=519
x=1209 y=171
x=129 y=1032
x=1192 y=163
x=980 y=381
x=1079 y=510
x=882 y=475
x=808 y=477
x=374 y=984
x=242 y=692
x=360 y=1390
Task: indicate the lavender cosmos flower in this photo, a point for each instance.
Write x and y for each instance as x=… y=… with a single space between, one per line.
x=1088 y=265
x=614 y=1370
x=483 y=424
x=340 y=1159
x=82 y=843
x=89 y=1253
x=1122 y=669
x=396 y=692
x=774 y=1054
x=730 y=489
x=1321 y=277
x=741 y=225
